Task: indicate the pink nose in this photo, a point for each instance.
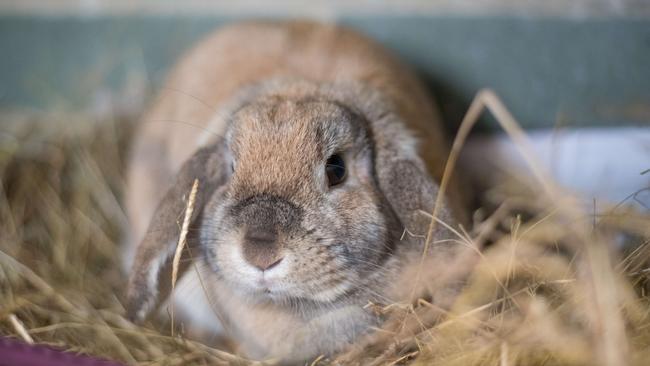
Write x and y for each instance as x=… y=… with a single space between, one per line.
x=265 y=267
x=261 y=249
x=261 y=237
x=263 y=262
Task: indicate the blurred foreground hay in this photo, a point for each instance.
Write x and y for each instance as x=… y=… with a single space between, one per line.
x=542 y=294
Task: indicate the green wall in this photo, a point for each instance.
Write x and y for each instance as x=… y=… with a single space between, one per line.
x=548 y=70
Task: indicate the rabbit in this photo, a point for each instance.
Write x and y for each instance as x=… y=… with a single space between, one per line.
x=315 y=150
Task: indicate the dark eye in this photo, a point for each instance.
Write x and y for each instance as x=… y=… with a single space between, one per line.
x=335 y=169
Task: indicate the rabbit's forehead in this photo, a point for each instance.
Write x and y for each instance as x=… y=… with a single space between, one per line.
x=280 y=145
x=282 y=128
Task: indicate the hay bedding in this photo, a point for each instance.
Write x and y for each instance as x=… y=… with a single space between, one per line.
x=551 y=288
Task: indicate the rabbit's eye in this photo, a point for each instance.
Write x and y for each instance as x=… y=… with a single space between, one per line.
x=335 y=169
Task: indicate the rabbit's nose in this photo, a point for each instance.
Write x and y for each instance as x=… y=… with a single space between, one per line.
x=261 y=237
x=265 y=265
x=261 y=248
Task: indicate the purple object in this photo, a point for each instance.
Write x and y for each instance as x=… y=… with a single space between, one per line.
x=16 y=353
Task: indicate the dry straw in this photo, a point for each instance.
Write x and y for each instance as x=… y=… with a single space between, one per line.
x=181 y=243
x=555 y=284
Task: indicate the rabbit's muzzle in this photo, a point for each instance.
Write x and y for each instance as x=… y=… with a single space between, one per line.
x=266 y=220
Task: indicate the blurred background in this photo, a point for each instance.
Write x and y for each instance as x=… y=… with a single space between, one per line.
x=559 y=65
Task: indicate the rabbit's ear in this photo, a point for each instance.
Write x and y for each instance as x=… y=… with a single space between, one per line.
x=405 y=182
x=150 y=280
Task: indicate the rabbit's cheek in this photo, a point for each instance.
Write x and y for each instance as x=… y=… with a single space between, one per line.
x=336 y=287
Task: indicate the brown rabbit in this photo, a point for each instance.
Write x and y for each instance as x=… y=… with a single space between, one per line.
x=303 y=138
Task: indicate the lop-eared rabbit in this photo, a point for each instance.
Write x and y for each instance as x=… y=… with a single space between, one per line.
x=315 y=149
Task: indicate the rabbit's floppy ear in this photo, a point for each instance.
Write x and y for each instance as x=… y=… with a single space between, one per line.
x=149 y=283
x=404 y=179
x=410 y=190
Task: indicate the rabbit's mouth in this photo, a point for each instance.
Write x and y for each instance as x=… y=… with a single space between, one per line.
x=287 y=293
x=281 y=284
x=297 y=300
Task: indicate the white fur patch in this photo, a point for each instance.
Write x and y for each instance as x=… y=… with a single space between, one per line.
x=192 y=305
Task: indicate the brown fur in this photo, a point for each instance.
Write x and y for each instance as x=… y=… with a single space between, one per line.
x=276 y=100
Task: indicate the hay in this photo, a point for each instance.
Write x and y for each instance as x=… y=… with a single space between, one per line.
x=182 y=239
x=551 y=287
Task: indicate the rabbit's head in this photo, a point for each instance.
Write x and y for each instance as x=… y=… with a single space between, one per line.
x=303 y=199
